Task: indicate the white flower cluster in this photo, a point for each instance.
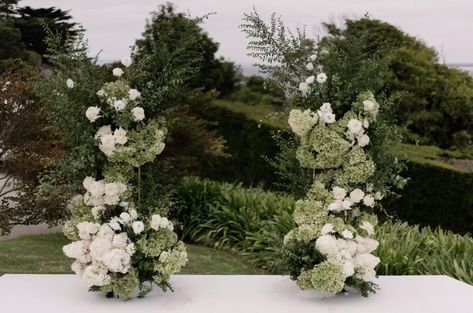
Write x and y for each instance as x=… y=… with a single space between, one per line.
x=326 y=114
x=109 y=140
x=353 y=254
x=100 y=193
x=160 y=222
x=100 y=252
x=344 y=202
x=321 y=78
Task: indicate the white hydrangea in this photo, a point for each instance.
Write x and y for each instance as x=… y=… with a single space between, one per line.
x=97 y=211
x=138 y=114
x=92 y=113
x=357 y=195
x=95 y=275
x=77 y=250
x=118 y=72
x=126 y=61
x=158 y=221
x=365 y=244
x=327 y=245
x=133 y=94
x=339 y=193
x=87 y=229
x=302 y=122
x=321 y=78
x=117 y=260
x=70 y=83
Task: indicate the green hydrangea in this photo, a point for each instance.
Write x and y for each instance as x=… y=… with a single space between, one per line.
x=157 y=242
x=309 y=212
x=330 y=146
x=170 y=262
x=327 y=277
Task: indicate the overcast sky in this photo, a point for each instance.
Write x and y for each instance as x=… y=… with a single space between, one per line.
x=113 y=25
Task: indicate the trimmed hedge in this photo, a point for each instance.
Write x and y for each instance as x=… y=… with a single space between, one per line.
x=254 y=222
x=437 y=195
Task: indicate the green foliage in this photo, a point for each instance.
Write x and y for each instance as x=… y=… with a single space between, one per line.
x=404 y=249
x=258 y=91
x=436 y=102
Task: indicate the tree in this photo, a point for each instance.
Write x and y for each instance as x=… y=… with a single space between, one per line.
x=170 y=31
x=7 y=8
x=436 y=102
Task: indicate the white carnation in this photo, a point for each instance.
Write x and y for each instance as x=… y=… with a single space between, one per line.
x=118 y=72
x=92 y=113
x=138 y=114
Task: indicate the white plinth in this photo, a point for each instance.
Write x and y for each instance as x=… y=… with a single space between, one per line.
x=238 y=294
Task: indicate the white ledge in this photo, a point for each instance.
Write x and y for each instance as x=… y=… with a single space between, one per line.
x=236 y=294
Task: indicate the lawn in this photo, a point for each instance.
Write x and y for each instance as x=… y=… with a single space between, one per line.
x=43 y=254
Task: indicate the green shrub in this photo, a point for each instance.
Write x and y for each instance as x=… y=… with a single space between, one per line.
x=254 y=222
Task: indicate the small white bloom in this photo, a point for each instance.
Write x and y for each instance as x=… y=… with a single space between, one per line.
x=125 y=216
x=70 y=83
x=309 y=66
x=92 y=113
x=126 y=61
x=354 y=126
x=304 y=88
x=310 y=79
x=368 y=200
x=313 y=57
x=133 y=94
x=346 y=204
x=138 y=114
x=364 y=140
x=368 y=227
x=119 y=105
x=325 y=113
x=97 y=211
x=366 y=123
x=120 y=136
x=104 y=130
x=321 y=78
x=347 y=234
x=138 y=227
x=369 y=105
x=157 y=222
x=107 y=144
x=357 y=195
x=335 y=206
x=326 y=229
x=101 y=93
x=117 y=72
x=327 y=245
x=133 y=214
x=339 y=193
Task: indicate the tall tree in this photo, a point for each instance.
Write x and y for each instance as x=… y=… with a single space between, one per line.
x=7 y=8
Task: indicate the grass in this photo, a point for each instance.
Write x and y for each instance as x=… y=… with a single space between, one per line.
x=261 y=113
x=42 y=254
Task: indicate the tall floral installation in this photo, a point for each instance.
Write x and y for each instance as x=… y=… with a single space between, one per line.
x=338 y=139
x=118 y=248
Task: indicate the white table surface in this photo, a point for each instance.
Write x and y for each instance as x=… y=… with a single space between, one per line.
x=236 y=294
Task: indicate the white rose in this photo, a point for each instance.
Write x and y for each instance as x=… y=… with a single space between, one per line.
x=120 y=136
x=304 y=87
x=70 y=83
x=138 y=227
x=92 y=113
x=117 y=72
x=354 y=126
x=309 y=66
x=133 y=94
x=126 y=61
x=368 y=200
x=363 y=140
x=310 y=79
x=138 y=114
x=339 y=193
x=326 y=229
x=356 y=195
x=321 y=78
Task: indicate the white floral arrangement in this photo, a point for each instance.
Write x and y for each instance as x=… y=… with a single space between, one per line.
x=334 y=230
x=117 y=249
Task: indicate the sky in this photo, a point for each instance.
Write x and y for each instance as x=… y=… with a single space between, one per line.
x=113 y=25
